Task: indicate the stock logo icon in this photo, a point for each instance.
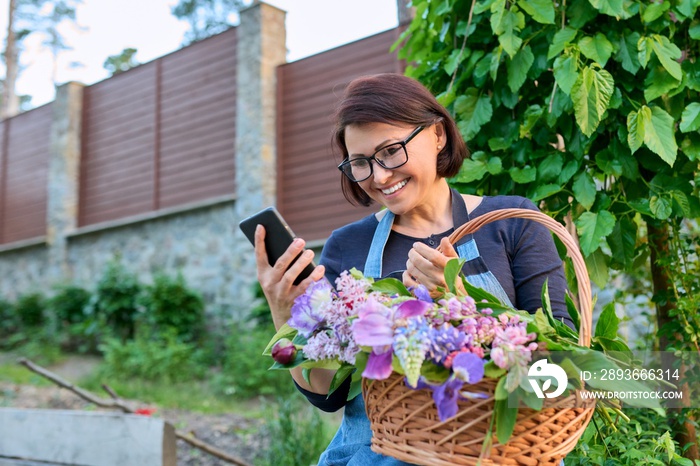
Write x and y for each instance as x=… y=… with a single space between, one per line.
x=545 y=372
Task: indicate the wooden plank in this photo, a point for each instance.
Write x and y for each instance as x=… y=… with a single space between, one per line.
x=86 y=438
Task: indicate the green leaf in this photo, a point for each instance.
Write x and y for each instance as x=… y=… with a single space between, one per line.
x=658 y=82
x=453 y=61
x=565 y=72
x=654 y=127
x=584 y=190
x=654 y=11
x=452 y=269
x=644 y=50
x=661 y=206
x=627 y=52
x=598 y=48
x=285 y=331
x=530 y=118
x=518 y=68
x=473 y=110
x=391 y=286
x=690 y=120
x=591 y=94
x=682 y=200
x=623 y=241
x=543 y=191
x=492 y=371
x=523 y=175
x=694 y=30
x=573 y=311
x=667 y=53
x=505 y=420
x=551 y=166
x=479 y=294
x=593 y=228
x=608 y=322
x=339 y=377
x=597 y=268
x=561 y=39
x=614 y=8
x=691 y=147
x=495 y=62
x=568 y=171
x=541 y=11
x=506 y=23
x=608 y=163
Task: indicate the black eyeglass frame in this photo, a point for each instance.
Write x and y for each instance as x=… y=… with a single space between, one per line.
x=369 y=159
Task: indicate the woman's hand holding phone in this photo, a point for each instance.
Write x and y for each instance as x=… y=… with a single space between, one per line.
x=277 y=281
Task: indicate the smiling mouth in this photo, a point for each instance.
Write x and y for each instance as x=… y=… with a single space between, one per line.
x=395 y=188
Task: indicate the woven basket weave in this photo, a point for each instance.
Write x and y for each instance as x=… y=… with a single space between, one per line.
x=406 y=426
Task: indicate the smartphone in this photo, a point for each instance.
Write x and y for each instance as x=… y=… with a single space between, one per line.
x=278 y=237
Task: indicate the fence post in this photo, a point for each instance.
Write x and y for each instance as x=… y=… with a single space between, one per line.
x=63 y=176
x=260 y=48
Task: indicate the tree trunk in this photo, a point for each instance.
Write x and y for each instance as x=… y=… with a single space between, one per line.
x=10 y=101
x=684 y=432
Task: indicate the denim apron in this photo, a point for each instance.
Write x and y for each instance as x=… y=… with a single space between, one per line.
x=351 y=444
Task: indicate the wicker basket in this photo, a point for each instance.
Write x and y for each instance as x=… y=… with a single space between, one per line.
x=406 y=426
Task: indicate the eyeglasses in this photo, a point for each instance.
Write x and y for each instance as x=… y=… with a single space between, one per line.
x=390 y=156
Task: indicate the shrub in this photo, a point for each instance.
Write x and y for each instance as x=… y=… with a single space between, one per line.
x=245 y=370
x=158 y=359
x=8 y=322
x=115 y=302
x=170 y=304
x=69 y=304
x=29 y=310
x=297 y=433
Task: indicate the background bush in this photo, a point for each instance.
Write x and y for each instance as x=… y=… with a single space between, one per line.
x=164 y=358
x=170 y=304
x=114 y=306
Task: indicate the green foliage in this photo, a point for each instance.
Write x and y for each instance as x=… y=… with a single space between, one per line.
x=245 y=371
x=8 y=322
x=645 y=439
x=121 y=62
x=114 y=304
x=297 y=433
x=207 y=17
x=170 y=304
x=591 y=107
x=164 y=359
x=30 y=311
x=68 y=304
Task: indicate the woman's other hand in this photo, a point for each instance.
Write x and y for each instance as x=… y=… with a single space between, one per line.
x=426 y=266
x=277 y=281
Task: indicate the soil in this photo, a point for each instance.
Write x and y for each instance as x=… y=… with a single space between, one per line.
x=238 y=436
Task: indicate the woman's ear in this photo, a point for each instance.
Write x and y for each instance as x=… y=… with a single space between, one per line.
x=440 y=134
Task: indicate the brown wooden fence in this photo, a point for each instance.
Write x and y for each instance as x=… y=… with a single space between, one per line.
x=309 y=194
x=24 y=161
x=162 y=134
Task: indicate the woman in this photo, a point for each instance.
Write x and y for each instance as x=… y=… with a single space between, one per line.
x=399 y=145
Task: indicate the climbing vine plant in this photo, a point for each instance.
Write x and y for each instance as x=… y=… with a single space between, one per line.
x=591 y=106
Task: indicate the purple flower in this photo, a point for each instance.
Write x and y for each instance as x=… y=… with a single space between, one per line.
x=446 y=397
x=378 y=365
x=309 y=309
x=376 y=322
x=444 y=340
x=421 y=292
x=468 y=367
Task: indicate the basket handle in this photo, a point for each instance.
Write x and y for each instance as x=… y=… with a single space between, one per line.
x=584 y=283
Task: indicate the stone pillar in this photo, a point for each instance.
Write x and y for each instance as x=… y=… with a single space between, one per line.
x=405 y=12
x=261 y=48
x=63 y=176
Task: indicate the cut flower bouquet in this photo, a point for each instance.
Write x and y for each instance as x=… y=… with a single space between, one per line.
x=370 y=329
x=441 y=374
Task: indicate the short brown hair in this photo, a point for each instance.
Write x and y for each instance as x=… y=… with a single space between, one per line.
x=393 y=98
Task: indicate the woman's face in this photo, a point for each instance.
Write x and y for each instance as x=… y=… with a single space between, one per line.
x=409 y=186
